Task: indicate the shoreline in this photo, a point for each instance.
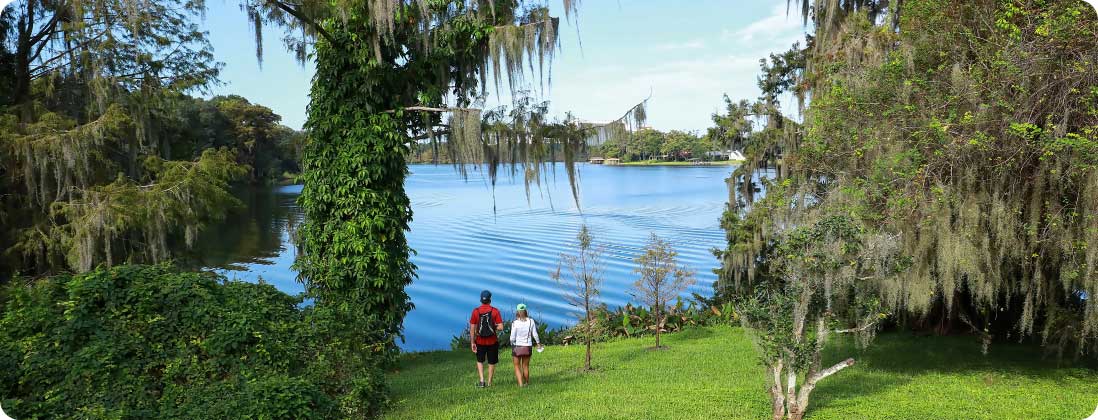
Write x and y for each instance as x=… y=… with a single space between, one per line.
x=694 y=164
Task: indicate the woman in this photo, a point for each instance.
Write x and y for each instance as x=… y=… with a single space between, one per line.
x=524 y=334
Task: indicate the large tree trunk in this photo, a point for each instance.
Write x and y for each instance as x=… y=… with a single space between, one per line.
x=777 y=398
x=21 y=95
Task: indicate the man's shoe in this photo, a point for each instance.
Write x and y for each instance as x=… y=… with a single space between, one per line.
x=480 y=384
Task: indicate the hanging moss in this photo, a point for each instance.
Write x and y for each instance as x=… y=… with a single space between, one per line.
x=964 y=132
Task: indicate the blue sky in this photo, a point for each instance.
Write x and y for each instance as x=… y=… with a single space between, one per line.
x=686 y=53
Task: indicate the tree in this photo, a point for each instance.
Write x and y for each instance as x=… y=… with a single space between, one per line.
x=645 y=144
x=661 y=279
x=586 y=271
x=388 y=72
x=936 y=134
x=254 y=128
x=815 y=277
x=680 y=145
x=87 y=127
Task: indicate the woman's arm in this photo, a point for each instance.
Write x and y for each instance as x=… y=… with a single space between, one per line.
x=513 y=327
x=534 y=331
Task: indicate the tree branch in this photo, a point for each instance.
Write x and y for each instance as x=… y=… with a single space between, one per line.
x=819 y=376
x=854 y=330
x=427 y=136
x=625 y=115
x=304 y=19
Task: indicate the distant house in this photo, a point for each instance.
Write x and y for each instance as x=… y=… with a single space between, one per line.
x=596 y=161
x=613 y=161
x=725 y=154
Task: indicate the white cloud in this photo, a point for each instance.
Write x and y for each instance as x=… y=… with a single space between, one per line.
x=684 y=92
x=779 y=22
x=695 y=44
x=686 y=87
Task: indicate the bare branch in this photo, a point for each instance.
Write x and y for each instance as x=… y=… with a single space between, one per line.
x=856 y=330
x=304 y=19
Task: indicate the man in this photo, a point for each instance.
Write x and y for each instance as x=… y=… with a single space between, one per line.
x=485 y=322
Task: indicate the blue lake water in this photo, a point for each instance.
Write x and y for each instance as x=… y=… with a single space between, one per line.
x=464 y=247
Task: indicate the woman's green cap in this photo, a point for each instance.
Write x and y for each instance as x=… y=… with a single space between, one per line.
x=521 y=307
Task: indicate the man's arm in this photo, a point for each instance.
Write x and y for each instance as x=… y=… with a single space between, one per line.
x=472 y=340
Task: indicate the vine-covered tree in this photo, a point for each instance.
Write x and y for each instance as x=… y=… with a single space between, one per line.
x=581 y=287
x=390 y=73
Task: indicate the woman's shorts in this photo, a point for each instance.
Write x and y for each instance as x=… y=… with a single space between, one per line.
x=521 y=351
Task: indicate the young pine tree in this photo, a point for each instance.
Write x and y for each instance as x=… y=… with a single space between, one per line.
x=581 y=286
x=661 y=278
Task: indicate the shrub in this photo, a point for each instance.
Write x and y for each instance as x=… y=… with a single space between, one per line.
x=153 y=342
x=547 y=335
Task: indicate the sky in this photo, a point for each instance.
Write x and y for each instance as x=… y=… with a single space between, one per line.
x=686 y=54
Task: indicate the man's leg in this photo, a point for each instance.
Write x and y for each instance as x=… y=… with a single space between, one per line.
x=493 y=358
x=481 y=352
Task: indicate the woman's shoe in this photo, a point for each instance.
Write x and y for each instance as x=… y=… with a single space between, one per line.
x=480 y=384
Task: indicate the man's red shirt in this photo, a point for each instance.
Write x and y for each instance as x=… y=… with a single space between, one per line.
x=475 y=318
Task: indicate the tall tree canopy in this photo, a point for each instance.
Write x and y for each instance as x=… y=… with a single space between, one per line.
x=966 y=130
x=86 y=133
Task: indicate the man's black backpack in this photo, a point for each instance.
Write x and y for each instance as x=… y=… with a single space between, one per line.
x=485 y=328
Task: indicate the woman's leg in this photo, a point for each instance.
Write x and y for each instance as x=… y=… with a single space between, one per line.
x=518 y=369
x=525 y=369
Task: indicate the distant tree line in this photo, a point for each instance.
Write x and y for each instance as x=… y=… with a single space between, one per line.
x=652 y=144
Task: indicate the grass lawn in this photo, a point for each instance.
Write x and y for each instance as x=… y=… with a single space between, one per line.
x=713 y=373
x=683 y=163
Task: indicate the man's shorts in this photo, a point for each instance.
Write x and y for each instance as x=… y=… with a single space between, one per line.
x=491 y=353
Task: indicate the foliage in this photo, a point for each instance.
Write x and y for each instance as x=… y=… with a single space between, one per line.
x=262 y=144
x=624 y=322
x=149 y=341
x=378 y=88
x=962 y=134
x=902 y=376
x=661 y=278
x=818 y=276
x=634 y=321
x=951 y=139
x=98 y=119
x=648 y=143
x=586 y=271
x=548 y=336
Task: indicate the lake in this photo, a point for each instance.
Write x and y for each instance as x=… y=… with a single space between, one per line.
x=463 y=246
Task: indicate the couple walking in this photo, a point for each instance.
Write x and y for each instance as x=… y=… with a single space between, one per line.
x=483 y=326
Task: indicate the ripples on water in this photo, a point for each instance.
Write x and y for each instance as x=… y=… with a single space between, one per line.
x=463 y=247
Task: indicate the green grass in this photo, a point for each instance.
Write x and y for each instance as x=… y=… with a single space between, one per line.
x=674 y=163
x=714 y=373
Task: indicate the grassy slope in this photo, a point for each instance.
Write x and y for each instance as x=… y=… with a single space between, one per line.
x=713 y=373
